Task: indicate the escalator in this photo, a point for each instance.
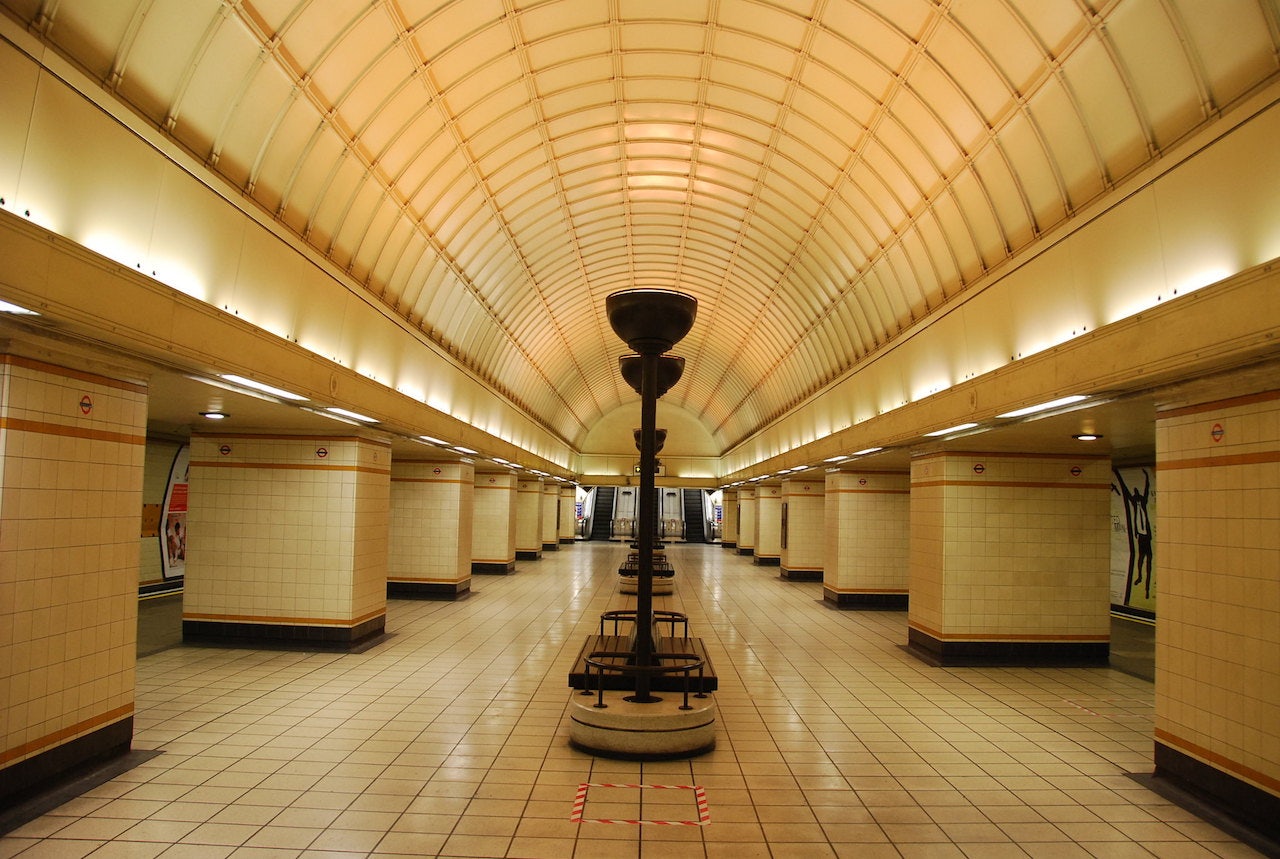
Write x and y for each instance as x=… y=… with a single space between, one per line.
x=602 y=513
x=695 y=519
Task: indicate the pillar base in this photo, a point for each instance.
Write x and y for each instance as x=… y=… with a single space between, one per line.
x=800 y=575
x=492 y=568
x=644 y=732
x=872 y=600
x=1231 y=796
x=551 y=547
x=292 y=636
x=49 y=768
x=767 y=560
x=528 y=554
x=421 y=590
x=661 y=585
x=746 y=550
x=956 y=654
x=728 y=544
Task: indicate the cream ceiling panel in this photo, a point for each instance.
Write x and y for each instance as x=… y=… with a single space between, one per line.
x=822 y=176
x=1233 y=42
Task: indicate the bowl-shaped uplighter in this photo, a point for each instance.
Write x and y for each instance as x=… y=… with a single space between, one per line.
x=651 y=321
x=659 y=439
x=670 y=369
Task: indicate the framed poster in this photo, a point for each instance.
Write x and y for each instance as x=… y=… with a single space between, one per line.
x=173 y=517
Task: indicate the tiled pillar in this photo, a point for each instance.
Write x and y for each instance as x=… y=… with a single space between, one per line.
x=868 y=516
x=568 y=513
x=1010 y=558
x=550 y=516
x=729 y=520
x=493 y=520
x=72 y=446
x=768 y=548
x=1217 y=717
x=747 y=520
x=431 y=511
x=287 y=539
x=529 y=519
x=802 y=523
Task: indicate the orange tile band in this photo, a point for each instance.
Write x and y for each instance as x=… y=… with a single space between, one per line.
x=68 y=373
x=290 y=621
x=1010 y=484
x=1263 y=458
x=286 y=466
x=1220 y=761
x=66 y=733
x=47 y=428
x=1004 y=636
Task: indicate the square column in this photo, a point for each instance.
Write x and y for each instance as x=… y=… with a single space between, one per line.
x=550 y=516
x=868 y=537
x=493 y=532
x=1010 y=559
x=529 y=519
x=429 y=555
x=801 y=535
x=287 y=540
x=747 y=520
x=767 y=551
x=1217 y=718
x=729 y=520
x=72 y=446
x=568 y=514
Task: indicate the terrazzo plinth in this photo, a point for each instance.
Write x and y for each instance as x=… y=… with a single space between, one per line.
x=630 y=731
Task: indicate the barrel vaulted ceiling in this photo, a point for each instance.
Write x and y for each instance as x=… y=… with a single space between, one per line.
x=819 y=174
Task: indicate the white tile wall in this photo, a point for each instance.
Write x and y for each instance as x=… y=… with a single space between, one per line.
x=70 y=503
x=868 y=533
x=287 y=529
x=1006 y=545
x=529 y=516
x=1218 y=629
x=747 y=518
x=768 y=513
x=805 y=524
x=494 y=519
x=551 y=513
x=431 y=521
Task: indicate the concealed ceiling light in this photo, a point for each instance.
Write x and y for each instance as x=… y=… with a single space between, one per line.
x=948 y=430
x=16 y=309
x=500 y=461
x=215 y=416
x=866 y=450
x=460 y=449
x=1087 y=436
x=259 y=386
x=1044 y=407
x=355 y=416
x=430 y=440
x=325 y=413
x=835 y=458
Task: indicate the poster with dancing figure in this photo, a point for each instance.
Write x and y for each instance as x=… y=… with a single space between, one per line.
x=1133 y=507
x=173 y=517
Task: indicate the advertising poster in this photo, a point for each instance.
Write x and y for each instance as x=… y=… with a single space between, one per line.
x=173 y=517
x=1133 y=509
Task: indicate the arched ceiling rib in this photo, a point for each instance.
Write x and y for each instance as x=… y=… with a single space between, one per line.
x=820 y=174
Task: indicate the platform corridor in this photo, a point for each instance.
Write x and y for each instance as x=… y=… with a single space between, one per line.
x=448 y=739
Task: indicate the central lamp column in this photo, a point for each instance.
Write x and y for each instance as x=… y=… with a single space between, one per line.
x=649 y=321
x=644 y=581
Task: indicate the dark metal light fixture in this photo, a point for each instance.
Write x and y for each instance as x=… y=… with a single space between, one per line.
x=649 y=321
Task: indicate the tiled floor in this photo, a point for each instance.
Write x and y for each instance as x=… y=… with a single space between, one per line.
x=449 y=739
